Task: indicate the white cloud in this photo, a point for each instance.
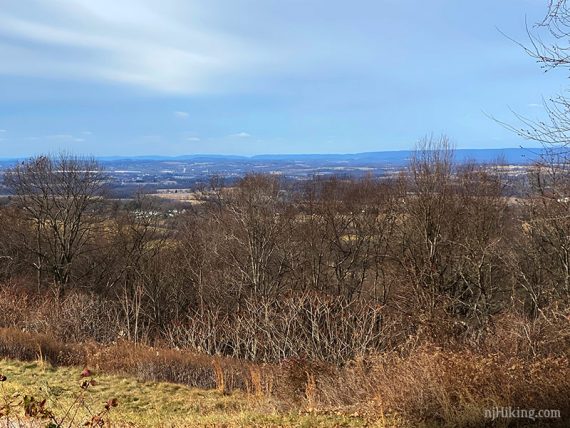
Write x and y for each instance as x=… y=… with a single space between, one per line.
x=64 y=138
x=167 y=46
x=181 y=114
x=175 y=46
x=193 y=139
x=241 y=135
x=534 y=105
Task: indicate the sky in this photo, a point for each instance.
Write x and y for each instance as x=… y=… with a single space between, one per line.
x=180 y=77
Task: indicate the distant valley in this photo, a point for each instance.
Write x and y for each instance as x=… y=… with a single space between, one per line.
x=163 y=173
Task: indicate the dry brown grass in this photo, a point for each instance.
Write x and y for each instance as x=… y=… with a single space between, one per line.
x=24 y=346
x=429 y=386
x=140 y=403
x=448 y=388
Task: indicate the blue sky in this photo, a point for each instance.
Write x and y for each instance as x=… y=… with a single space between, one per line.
x=172 y=77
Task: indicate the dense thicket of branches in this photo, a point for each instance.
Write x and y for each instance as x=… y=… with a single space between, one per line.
x=56 y=199
x=329 y=268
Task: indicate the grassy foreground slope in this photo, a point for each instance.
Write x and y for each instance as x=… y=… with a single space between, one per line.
x=143 y=404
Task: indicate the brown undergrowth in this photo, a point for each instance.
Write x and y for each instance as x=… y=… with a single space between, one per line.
x=427 y=386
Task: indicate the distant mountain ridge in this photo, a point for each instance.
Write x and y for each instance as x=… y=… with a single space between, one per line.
x=397 y=157
x=515 y=156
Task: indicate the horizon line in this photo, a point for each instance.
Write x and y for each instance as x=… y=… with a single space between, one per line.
x=252 y=156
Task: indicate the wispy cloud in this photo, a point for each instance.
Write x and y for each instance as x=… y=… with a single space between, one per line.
x=193 y=139
x=165 y=47
x=64 y=138
x=174 y=46
x=240 y=135
x=182 y=114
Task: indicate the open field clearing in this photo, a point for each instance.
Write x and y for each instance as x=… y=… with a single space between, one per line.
x=141 y=404
x=180 y=196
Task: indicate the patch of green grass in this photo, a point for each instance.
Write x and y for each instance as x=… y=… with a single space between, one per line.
x=151 y=404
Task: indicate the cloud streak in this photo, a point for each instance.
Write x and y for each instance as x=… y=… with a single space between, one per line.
x=240 y=135
x=182 y=46
x=126 y=42
x=181 y=114
x=64 y=138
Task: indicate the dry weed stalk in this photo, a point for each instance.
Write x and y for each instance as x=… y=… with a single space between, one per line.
x=219 y=374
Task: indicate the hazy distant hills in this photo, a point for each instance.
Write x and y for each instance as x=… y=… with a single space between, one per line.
x=515 y=156
x=156 y=173
x=509 y=155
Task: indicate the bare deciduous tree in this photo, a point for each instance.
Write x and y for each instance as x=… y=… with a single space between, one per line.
x=57 y=196
x=543 y=265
